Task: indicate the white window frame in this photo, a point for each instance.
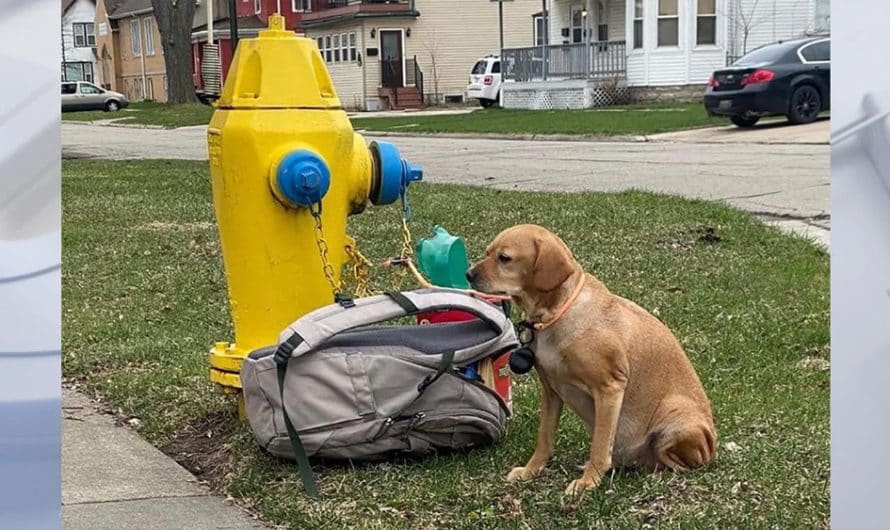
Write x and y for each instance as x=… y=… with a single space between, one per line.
x=139 y=89
x=805 y=46
x=638 y=16
x=344 y=47
x=301 y=6
x=335 y=46
x=660 y=17
x=82 y=30
x=698 y=17
x=136 y=37
x=149 y=88
x=148 y=32
x=353 y=47
x=328 y=50
x=257 y=7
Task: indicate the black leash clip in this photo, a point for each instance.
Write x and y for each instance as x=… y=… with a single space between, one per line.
x=523 y=359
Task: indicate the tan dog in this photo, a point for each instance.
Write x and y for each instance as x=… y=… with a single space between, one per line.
x=617 y=366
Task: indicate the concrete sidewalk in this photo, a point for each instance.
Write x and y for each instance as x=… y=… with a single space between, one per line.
x=113 y=479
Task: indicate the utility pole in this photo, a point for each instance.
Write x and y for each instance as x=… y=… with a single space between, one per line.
x=233 y=26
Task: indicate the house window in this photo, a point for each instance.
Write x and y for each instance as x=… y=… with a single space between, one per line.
x=84 y=37
x=602 y=27
x=327 y=49
x=150 y=89
x=149 y=36
x=336 y=48
x=135 y=39
x=352 y=47
x=301 y=6
x=638 y=24
x=706 y=22
x=140 y=92
x=539 y=29
x=344 y=47
x=257 y=6
x=668 y=23
x=78 y=71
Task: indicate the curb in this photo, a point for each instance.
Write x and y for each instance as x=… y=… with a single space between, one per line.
x=514 y=137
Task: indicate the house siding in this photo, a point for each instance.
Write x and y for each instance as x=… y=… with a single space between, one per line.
x=684 y=64
x=770 y=21
x=131 y=72
x=109 y=63
x=452 y=43
x=82 y=11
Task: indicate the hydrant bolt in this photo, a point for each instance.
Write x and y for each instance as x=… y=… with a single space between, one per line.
x=303 y=178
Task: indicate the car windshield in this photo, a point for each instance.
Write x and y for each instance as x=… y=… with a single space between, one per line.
x=766 y=54
x=480 y=67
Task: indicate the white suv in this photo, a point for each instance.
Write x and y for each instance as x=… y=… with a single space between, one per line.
x=485 y=81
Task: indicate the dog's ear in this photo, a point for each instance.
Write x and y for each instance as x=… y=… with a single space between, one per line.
x=553 y=264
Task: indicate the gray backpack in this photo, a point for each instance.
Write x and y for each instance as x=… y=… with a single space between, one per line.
x=338 y=386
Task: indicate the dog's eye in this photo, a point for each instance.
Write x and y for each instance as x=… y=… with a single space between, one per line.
x=503 y=258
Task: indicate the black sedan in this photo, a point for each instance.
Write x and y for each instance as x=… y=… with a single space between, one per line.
x=791 y=78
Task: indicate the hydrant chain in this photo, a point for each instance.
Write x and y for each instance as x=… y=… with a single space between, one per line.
x=322 y=244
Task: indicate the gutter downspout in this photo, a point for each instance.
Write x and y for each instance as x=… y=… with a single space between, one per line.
x=141 y=26
x=210 y=21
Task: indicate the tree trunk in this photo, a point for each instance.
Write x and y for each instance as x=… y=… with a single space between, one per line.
x=174 y=19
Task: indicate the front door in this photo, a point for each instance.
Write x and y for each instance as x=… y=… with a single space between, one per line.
x=392 y=58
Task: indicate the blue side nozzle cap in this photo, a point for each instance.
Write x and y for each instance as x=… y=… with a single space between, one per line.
x=303 y=177
x=394 y=173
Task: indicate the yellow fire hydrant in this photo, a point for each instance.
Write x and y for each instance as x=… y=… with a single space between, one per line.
x=287 y=169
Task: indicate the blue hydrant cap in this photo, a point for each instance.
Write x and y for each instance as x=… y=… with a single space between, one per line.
x=303 y=177
x=394 y=173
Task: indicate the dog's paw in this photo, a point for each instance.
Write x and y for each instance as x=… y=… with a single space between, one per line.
x=520 y=473
x=579 y=486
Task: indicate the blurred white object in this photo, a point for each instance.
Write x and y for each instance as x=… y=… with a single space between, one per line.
x=874 y=130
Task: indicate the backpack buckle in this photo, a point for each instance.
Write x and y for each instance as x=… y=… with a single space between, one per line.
x=345 y=301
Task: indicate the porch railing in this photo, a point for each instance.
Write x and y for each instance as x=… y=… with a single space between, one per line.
x=391 y=76
x=566 y=61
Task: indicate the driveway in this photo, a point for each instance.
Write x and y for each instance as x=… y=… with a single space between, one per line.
x=775 y=131
x=785 y=184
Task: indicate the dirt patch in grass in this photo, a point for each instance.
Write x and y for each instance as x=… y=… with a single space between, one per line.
x=201 y=448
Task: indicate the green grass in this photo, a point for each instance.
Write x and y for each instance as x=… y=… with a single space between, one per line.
x=144 y=299
x=150 y=113
x=634 y=120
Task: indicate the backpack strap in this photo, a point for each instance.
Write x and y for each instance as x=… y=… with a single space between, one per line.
x=282 y=357
x=327 y=322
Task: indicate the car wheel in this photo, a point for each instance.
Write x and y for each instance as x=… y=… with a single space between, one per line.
x=745 y=121
x=805 y=104
x=486 y=102
x=112 y=106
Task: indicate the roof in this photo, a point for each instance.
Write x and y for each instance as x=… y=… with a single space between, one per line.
x=123 y=8
x=68 y=3
x=249 y=22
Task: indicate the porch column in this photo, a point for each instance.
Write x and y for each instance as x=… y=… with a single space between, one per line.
x=585 y=23
x=546 y=23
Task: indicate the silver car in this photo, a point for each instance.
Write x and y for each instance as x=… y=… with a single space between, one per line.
x=81 y=95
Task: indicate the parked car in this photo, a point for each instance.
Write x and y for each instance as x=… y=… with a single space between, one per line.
x=81 y=95
x=791 y=78
x=485 y=81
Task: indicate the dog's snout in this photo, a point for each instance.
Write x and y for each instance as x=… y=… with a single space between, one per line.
x=472 y=274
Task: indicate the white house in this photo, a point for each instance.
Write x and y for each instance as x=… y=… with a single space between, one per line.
x=79 y=41
x=602 y=52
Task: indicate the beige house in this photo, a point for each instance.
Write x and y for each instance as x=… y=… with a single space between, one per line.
x=128 y=45
x=385 y=55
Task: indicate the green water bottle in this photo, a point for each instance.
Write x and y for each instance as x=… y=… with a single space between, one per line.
x=442 y=258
